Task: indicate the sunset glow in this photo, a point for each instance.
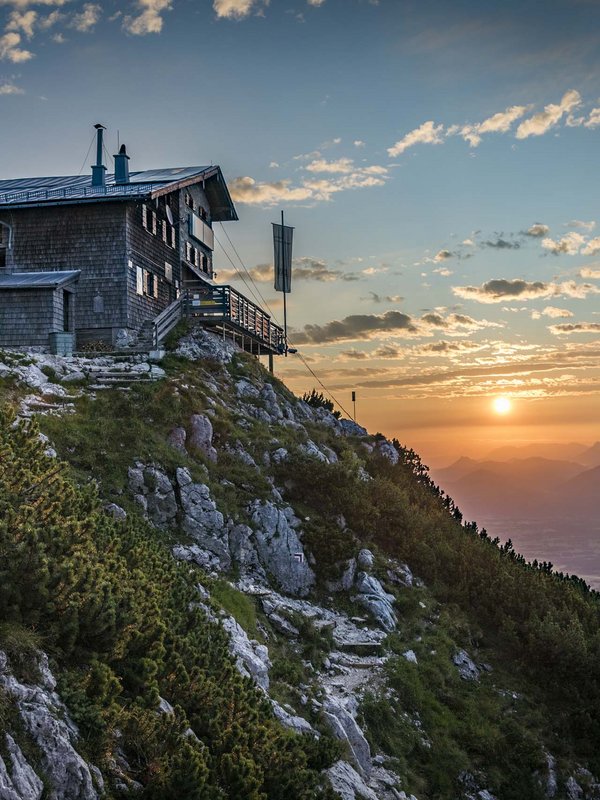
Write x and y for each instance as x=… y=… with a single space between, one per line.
x=502 y=405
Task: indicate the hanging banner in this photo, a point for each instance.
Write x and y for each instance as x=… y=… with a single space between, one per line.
x=282 y=242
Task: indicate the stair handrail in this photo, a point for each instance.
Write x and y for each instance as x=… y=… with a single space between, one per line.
x=166 y=321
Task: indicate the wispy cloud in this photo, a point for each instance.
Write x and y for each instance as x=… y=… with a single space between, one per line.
x=427 y=133
x=572 y=244
x=10 y=88
x=567 y=328
x=383 y=298
x=303 y=269
x=499 y=289
x=341 y=175
x=497 y=123
x=237 y=9
x=589 y=272
x=86 y=20
x=553 y=312
x=543 y=121
x=149 y=19
x=22 y=21
x=537 y=229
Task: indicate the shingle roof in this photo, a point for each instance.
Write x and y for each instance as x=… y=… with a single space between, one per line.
x=20 y=192
x=37 y=280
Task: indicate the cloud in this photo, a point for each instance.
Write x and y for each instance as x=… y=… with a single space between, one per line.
x=86 y=20
x=26 y=3
x=497 y=123
x=149 y=20
x=570 y=244
x=357 y=326
x=314 y=189
x=9 y=88
x=360 y=143
x=427 y=133
x=589 y=272
x=356 y=355
x=455 y=324
x=567 y=328
x=342 y=165
x=593 y=121
x=303 y=269
x=236 y=9
x=553 y=312
x=10 y=50
x=501 y=244
x=449 y=348
x=537 y=229
x=497 y=290
x=24 y=22
x=592 y=247
x=444 y=272
x=578 y=223
x=315 y=2
x=442 y=255
x=543 y=121
x=379 y=298
x=247 y=190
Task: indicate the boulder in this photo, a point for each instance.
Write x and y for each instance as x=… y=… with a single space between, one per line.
x=279 y=548
x=200 y=344
x=201 y=433
x=269 y=398
x=376 y=600
x=401 y=575
x=344 y=727
x=251 y=658
x=46 y=720
x=154 y=492
x=292 y=721
x=365 y=560
x=351 y=428
x=348 y=783
x=115 y=511
x=19 y=781
x=345 y=581
x=176 y=439
x=201 y=519
x=410 y=656
x=387 y=450
x=467 y=668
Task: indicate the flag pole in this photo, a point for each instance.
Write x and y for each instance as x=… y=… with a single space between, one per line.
x=285 y=289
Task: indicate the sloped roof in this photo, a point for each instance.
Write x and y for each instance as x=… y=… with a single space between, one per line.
x=38 y=280
x=23 y=192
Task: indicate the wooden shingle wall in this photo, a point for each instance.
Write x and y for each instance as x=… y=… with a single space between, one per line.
x=87 y=237
x=27 y=316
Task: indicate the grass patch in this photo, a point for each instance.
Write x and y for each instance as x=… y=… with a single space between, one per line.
x=239 y=605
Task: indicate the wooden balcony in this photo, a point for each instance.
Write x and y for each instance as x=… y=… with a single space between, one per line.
x=230 y=313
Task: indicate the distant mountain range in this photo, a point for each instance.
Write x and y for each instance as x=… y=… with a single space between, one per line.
x=541 y=481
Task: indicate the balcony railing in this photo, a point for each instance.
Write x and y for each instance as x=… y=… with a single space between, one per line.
x=223 y=305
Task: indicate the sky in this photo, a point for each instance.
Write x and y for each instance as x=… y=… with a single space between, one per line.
x=437 y=160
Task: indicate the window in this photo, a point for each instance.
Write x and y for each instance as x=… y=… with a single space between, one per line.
x=139 y=280
x=163 y=225
x=171 y=241
x=189 y=201
x=145 y=216
x=151 y=284
x=168 y=272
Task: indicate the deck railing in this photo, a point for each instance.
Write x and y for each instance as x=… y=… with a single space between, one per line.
x=76 y=192
x=217 y=305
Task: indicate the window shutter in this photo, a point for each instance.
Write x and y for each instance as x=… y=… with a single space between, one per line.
x=139 y=280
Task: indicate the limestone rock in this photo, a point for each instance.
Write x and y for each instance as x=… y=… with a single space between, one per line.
x=348 y=783
x=46 y=720
x=281 y=454
x=176 y=439
x=202 y=521
x=467 y=669
x=19 y=781
x=387 y=450
x=344 y=727
x=279 y=548
x=251 y=658
x=244 y=555
x=351 y=428
x=200 y=344
x=73 y=377
x=201 y=435
x=269 y=398
x=345 y=581
x=292 y=721
x=573 y=789
x=365 y=560
x=376 y=600
x=153 y=490
x=311 y=450
x=410 y=656
x=115 y=511
x=400 y=574
x=244 y=388
x=197 y=555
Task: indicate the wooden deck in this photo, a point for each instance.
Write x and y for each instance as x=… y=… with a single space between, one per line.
x=230 y=313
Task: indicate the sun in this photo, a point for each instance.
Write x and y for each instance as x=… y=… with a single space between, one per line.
x=502 y=405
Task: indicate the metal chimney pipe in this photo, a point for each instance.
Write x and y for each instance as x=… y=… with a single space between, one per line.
x=122 y=166
x=99 y=170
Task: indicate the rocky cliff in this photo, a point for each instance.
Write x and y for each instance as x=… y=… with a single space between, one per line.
x=214 y=590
